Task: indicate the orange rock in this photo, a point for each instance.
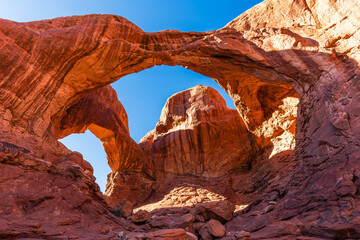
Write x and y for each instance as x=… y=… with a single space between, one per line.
x=134 y=187
x=34 y=189
x=196 y=134
x=101 y=112
x=173 y=221
x=168 y=234
x=215 y=228
x=140 y=216
x=86 y=43
x=266 y=58
x=221 y=211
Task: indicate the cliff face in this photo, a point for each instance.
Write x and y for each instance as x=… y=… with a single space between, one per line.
x=200 y=142
x=194 y=134
x=265 y=59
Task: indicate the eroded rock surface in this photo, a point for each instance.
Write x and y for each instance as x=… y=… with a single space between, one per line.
x=101 y=112
x=274 y=52
x=51 y=198
x=196 y=135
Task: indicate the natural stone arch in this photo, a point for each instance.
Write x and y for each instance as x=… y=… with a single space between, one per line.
x=310 y=53
x=112 y=47
x=95 y=64
x=101 y=112
x=99 y=61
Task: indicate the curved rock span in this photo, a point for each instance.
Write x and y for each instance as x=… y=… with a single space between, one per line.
x=52 y=71
x=101 y=112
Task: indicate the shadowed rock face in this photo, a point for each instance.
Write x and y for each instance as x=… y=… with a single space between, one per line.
x=272 y=53
x=101 y=112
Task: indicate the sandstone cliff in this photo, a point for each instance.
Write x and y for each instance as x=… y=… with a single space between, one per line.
x=199 y=141
x=266 y=58
x=193 y=135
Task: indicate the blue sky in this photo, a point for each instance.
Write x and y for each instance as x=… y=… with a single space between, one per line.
x=142 y=94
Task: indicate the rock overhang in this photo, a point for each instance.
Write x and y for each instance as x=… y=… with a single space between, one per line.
x=299 y=46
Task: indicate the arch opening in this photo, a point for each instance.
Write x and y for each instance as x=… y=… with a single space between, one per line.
x=161 y=82
x=92 y=150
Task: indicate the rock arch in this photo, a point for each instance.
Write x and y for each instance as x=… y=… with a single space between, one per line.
x=101 y=112
x=307 y=46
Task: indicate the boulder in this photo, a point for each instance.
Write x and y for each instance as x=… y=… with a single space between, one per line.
x=215 y=228
x=123 y=209
x=140 y=216
x=222 y=211
x=174 y=221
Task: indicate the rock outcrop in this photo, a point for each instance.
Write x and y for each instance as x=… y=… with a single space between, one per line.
x=196 y=135
x=265 y=58
x=51 y=198
x=201 y=142
x=130 y=186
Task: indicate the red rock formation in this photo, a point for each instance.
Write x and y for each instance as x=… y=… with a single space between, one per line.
x=92 y=63
x=261 y=58
x=51 y=198
x=212 y=228
x=178 y=233
x=198 y=135
x=132 y=186
x=140 y=216
x=101 y=112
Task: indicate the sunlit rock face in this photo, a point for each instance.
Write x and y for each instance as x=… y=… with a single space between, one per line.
x=198 y=135
x=274 y=52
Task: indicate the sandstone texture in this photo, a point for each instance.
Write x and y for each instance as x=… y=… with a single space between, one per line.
x=281 y=62
x=101 y=112
x=51 y=198
x=140 y=216
x=194 y=134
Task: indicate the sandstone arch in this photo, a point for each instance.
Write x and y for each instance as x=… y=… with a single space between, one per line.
x=309 y=46
x=101 y=112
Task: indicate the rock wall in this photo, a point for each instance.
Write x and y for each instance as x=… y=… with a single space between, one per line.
x=198 y=135
x=51 y=198
x=271 y=54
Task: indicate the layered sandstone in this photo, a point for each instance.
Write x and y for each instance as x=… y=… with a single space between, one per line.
x=199 y=141
x=276 y=51
x=51 y=198
x=101 y=112
x=198 y=135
